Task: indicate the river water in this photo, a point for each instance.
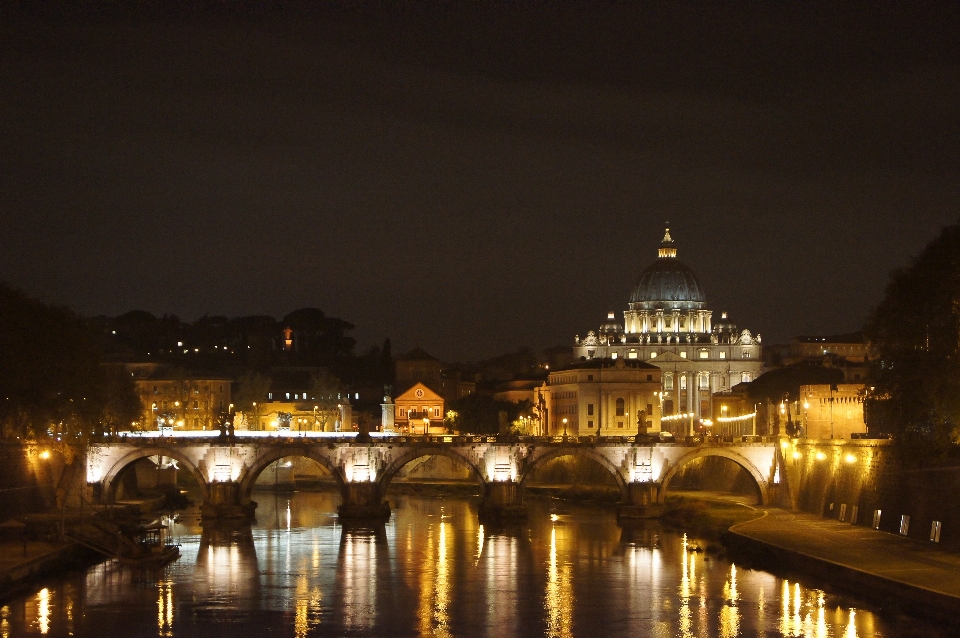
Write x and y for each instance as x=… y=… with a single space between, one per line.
x=433 y=570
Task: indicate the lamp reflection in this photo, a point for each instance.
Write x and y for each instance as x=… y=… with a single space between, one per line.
x=165 y=608
x=730 y=613
x=43 y=610
x=500 y=555
x=227 y=572
x=559 y=595
x=360 y=551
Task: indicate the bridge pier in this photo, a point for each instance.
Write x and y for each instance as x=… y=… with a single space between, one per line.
x=641 y=501
x=502 y=501
x=362 y=501
x=223 y=501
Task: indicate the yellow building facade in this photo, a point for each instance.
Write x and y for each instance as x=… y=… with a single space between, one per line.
x=419 y=410
x=602 y=397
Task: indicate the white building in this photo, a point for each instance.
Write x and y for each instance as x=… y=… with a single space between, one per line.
x=668 y=324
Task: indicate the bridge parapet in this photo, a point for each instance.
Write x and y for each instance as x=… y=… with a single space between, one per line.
x=226 y=468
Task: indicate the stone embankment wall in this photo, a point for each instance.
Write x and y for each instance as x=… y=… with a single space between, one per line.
x=833 y=477
x=31 y=481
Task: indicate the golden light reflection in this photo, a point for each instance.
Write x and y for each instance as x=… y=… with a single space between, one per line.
x=559 y=594
x=165 y=608
x=851 y=631
x=821 y=631
x=479 y=544
x=686 y=624
x=302 y=607
x=441 y=616
x=427 y=581
x=4 y=622
x=730 y=613
x=43 y=610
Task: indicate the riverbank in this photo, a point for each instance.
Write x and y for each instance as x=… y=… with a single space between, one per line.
x=23 y=563
x=891 y=570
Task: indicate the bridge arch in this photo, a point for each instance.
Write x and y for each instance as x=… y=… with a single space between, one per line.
x=583 y=452
x=387 y=474
x=248 y=477
x=755 y=474
x=109 y=480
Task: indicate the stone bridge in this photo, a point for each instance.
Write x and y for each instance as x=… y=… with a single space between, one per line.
x=226 y=468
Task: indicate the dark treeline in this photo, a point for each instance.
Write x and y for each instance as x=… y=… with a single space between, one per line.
x=232 y=345
x=52 y=381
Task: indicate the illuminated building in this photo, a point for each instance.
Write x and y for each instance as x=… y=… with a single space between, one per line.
x=419 y=410
x=183 y=402
x=602 y=395
x=668 y=325
x=832 y=411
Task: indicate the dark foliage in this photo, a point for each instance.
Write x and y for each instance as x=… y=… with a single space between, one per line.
x=51 y=377
x=915 y=335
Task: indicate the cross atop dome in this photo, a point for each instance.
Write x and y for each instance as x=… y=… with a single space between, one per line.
x=667 y=248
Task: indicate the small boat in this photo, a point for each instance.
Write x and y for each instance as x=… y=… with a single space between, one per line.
x=150 y=547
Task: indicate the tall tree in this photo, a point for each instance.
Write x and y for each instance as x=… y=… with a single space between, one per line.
x=325 y=392
x=51 y=380
x=252 y=389
x=915 y=335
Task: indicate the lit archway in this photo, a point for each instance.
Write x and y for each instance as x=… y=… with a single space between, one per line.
x=248 y=478
x=109 y=481
x=586 y=453
x=751 y=469
x=411 y=455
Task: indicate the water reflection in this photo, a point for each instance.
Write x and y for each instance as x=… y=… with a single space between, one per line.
x=559 y=595
x=226 y=578
x=434 y=571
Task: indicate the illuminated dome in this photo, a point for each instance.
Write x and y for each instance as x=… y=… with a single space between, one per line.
x=667 y=283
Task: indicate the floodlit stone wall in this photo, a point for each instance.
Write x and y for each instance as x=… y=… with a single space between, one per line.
x=831 y=478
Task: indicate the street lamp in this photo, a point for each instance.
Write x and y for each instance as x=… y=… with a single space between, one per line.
x=426 y=425
x=564 y=427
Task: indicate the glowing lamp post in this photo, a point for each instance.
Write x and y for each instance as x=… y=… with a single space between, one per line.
x=426 y=425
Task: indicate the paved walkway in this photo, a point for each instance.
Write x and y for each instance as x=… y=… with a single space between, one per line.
x=878 y=554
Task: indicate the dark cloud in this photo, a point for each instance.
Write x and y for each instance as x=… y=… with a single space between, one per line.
x=475 y=176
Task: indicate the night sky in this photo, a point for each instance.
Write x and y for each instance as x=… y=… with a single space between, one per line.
x=474 y=177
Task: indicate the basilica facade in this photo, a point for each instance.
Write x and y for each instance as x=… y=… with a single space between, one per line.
x=667 y=324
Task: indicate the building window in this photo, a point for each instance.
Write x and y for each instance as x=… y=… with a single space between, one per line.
x=668 y=407
x=746 y=355
x=683 y=382
x=649 y=409
x=632 y=354
x=704 y=381
x=653 y=355
x=620 y=424
x=723 y=355
x=155 y=390
x=620 y=404
x=589 y=409
x=745 y=377
x=704 y=354
x=589 y=424
x=683 y=353
x=649 y=377
x=589 y=377
x=613 y=355
x=668 y=382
